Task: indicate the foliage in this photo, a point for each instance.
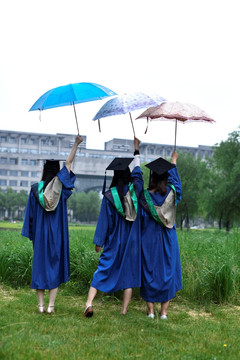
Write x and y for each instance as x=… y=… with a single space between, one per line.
x=225 y=200
x=85 y=206
x=210 y=262
x=13 y=201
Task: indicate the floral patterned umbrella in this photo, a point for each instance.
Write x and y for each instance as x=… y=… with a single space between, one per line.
x=177 y=111
x=122 y=104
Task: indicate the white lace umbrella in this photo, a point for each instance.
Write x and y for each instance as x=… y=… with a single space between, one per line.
x=177 y=111
x=122 y=104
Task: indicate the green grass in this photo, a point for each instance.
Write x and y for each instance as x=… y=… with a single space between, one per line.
x=203 y=319
x=191 y=331
x=210 y=265
x=210 y=262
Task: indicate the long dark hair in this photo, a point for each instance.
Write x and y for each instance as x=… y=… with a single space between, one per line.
x=50 y=170
x=121 y=178
x=158 y=183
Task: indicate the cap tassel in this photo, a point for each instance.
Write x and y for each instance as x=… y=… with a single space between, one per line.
x=104 y=184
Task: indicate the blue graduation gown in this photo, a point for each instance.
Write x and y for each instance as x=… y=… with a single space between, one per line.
x=120 y=262
x=161 y=267
x=49 y=233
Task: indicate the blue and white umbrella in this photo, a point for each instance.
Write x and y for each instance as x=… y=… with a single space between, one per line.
x=70 y=95
x=122 y=104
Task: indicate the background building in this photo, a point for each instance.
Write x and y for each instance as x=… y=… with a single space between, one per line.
x=22 y=155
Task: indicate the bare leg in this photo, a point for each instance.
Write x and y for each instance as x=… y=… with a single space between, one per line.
x=52 y=298
x=164 y=307
x=40 y=295
x=150 y=307
x=127 y=295
x=91 y=295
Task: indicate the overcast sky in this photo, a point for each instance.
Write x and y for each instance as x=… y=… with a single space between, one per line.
x=184 y=50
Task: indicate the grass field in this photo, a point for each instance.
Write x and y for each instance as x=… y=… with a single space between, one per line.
x=191 y=331
x=203 y=319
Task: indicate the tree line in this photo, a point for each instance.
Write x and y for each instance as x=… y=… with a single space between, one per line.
x=211 y=190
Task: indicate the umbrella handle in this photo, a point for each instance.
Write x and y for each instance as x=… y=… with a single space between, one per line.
x=76 y=117
x=175 y=140
x=132 y=124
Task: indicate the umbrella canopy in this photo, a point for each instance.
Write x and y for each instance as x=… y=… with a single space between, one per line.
x=122 y=104
x=177 y=111
x=70 y=95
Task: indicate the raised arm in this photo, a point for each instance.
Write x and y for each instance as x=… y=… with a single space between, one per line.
x=174 y=157
x=137 y=172
x=73 y=151
x=173 y=176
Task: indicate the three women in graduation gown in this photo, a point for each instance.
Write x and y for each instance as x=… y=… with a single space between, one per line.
x=161 y=268
x=46 y=225
x=118 y=232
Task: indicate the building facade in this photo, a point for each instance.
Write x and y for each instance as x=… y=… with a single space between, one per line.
x=22 y=156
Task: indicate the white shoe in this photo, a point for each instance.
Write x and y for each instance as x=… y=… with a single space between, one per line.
x=50 y=309
x=163 y=317
x=41 y=309
x=151 y=316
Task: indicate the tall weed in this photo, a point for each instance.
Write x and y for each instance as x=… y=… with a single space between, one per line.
x=210 y=262
x=210 y=265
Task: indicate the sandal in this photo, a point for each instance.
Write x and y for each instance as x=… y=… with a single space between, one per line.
x=41 y=309
x=50 y=309
x=88 y=311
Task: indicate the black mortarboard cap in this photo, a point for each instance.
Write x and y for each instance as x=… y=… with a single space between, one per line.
x=52 y=165
x=119 y=164
x=160 y=166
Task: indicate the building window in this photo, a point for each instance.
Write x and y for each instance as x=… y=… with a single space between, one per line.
x=12 y=139
x=13 y=183
x=24 y=183
x=24 y=151
x=3 y=160
x=43 y=142
x=13 y=150
x=24 y=173
x=51 y=142
x=3 y=139
x=13 y=173
x=3 y=182
x=13 y=161
x=33 y=151
x=35 y=174
x=32 y=141
x=24 y=161
x=33 y=162
x=3 y=172
x=3 y=149
x=23 y=140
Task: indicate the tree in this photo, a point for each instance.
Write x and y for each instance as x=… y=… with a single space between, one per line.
x=85 y=206
x=226 y=194
x=189 y=170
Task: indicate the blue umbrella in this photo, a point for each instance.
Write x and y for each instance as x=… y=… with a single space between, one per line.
x=70 y=95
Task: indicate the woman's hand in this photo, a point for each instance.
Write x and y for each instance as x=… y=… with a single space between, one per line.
x=97 y=248
x=78 y=139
